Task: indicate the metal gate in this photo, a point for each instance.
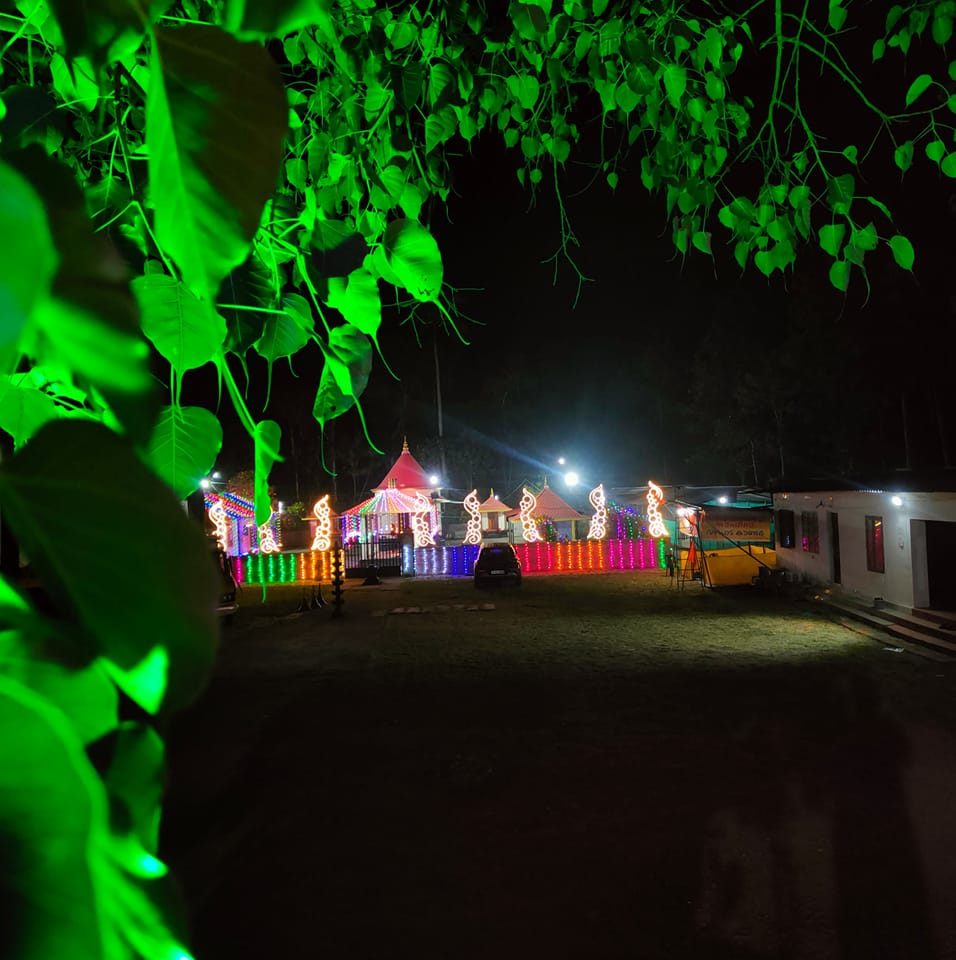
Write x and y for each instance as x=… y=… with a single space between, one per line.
x=385 y=554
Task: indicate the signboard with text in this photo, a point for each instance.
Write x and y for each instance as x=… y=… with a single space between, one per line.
x=741 y=526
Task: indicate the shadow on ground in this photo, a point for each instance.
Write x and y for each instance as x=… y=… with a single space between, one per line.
x=404 y=810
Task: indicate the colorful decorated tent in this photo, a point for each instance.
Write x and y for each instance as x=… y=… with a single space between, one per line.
x=387 y=512
x=240 y=532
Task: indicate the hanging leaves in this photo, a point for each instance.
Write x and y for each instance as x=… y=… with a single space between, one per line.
x=414 y=258
x=90 y=319
x=187 y=331
x=28 y=266
x=252 y=18
x=917 y=87
x=357 y=299
x=184 y=447
x=903 y=252
x=267 y=438
x=128 y=604
x=215 y=121
x=284 y=334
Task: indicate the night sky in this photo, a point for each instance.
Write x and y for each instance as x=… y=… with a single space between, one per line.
x=680 y=370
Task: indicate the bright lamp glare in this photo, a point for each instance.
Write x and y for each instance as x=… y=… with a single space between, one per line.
x=896 y=501
x=433 y=479
x=571 y=478
x=204 y=483
x=721 y=499
x=562 y=461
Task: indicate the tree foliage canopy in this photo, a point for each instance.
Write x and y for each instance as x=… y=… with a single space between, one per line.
x=183 y=182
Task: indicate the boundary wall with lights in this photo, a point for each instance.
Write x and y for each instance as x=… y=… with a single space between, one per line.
x=911 y=567
x=577 y=556
x=305 y=565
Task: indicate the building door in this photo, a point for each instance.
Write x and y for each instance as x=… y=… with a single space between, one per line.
x=835 y=547
x=940 y=564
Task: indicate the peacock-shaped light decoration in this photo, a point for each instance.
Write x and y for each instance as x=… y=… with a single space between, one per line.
x=323 y=528
x=655 y=522
x=423 y=536
x=473 y=529
x=529 y=528
x=598 y=528
x=217 y=514
x=267 y=537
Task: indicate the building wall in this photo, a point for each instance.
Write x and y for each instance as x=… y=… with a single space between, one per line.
x=896 y=583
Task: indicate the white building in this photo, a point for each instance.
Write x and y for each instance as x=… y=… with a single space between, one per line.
x=897 y=545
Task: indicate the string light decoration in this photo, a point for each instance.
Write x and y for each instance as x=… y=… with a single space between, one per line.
x=323 y=529
x=217 y=515
x=655 y=522
x=473 y=530
x=423 y=536
x=529 y=529
x=267 y=537
x=598 y=528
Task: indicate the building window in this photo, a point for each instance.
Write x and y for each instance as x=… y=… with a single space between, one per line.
x=810 y=529
x=785 y=534
x=874 y=545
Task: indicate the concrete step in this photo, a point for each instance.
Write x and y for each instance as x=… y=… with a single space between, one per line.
x=920 y=639
x=914 y=621
x=944 y=618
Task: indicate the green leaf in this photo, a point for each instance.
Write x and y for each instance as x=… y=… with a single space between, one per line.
x=948 y=166
x=24 y=409
x=840 y=192
x=936 y=150
x=167 y=617
x=85 y=695
x=701 y=240
x=851 y=153
x=267 y=438
x=216 y=119
x=525 y=89
x=104 y=30
x=135 y=780
x=882 y=207
x=831 y=238
x=53 y=812
x=675 y=83
x=286 y=333
x=903 y=155
x=626 y=98
x=840 y=275
x=879 y=49
x=917 y=87
x=187 y=331
x=942 y=26
x=439 y=127
x=330 y=401
x=247 y=18
x=837 y=15
x=414 y=257
x=349 y=354
x=90 y=322
x=28 y=265
x=865 y=238
x=76 y=87
x=184 y=447
x=358 y=300
x=612 y=179
x=799 y=196
x=903 y=252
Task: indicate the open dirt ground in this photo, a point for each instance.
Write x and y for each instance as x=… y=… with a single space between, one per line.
x=598 y=767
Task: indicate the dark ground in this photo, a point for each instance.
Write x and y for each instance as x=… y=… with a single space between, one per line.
x=600 y=767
